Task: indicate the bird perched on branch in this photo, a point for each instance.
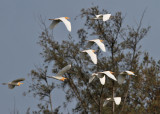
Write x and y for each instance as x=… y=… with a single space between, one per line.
x=61 y=19
x=103 y=17
x=98 y=42
x=60 y=73
x=122 y=76
x=14 y=83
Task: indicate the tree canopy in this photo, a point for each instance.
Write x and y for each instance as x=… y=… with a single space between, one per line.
x=140 y=94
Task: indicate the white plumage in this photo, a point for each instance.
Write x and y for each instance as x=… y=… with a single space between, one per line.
x=91 y=53
x=104 y=17
x=101 y=76
x=60 y=73
x=98 y=42
x=117 y=100
x=122 y=76
x=61 y=19
x=109 y=74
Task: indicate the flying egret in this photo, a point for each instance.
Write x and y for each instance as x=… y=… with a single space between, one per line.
x=61 y=19
x=98 y=42
x=14 y=83
x=117 y=100
x=122 y=76
x=60 y=73
x=109 y=74
x=103 y=17
x=101 y=76
x=91 y=53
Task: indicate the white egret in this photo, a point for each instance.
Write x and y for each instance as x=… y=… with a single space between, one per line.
x=103 y=17
x=98 y=42
x=14 y=83
x=117 y=100
x=60 y=73
x=61 y=19
x=122 y=76
x=91 y=53
x=101 y=76
x=109 y=74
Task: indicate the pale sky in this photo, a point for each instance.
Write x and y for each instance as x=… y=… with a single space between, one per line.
x=19 y=31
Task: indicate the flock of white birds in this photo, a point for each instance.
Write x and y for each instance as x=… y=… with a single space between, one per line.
x=101 y=75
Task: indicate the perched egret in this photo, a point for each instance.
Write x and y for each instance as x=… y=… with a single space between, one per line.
x=98 y=42
x=117 y=100
x=14 y=83
x=122 y=76
x=60 y=73
x=91 y=53
x=101 y=76
x=103 y=17
x=61 y=19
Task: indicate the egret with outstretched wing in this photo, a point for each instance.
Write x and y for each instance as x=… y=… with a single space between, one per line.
x=61 y=19
x=91 y=53
x=59 y=75
x=14 y=83
x=103 y=17
x=122 y=76
x=98 y=42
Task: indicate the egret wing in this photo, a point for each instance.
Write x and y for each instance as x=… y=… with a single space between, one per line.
x=129 y=72
x=121 y=79
x=67 y=23
x=11 y=86
x=106 y=17
x=64 y=70
x=102 y=80
x=100 y=44
x=91 y=78
x=18 y=80
x=117 y=100
x=92 y=55
x=109 y=74
x=89 y=44
x=106 y=101
x=98 y=16
x=54 y=23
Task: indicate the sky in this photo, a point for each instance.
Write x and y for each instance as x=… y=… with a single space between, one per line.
x=20 y=28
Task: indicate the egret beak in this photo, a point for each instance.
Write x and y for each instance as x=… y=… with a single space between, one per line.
x=101 y=40
x=67 y=17
x=19 y=83
x=111 y=72
x=62 y=79
x=94 y=51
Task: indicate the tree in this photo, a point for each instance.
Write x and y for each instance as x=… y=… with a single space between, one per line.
x=124 y=52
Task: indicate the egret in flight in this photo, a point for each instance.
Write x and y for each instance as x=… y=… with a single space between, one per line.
x=98 y=42
x=91 y=53
x=103 y=17
x=14 y=83
x=122 y=76
x=61 y=19
x=60 y=73
x=117 y=100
